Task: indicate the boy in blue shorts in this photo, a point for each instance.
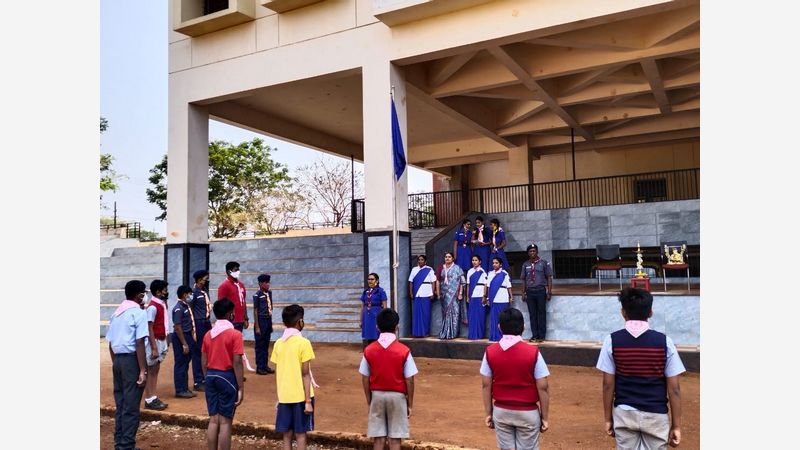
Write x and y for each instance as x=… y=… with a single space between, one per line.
x=292 y=355
x=640 y=369
x=222 y=349
x=387 y=375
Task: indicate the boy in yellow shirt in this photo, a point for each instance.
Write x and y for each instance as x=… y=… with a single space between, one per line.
x=292 y=355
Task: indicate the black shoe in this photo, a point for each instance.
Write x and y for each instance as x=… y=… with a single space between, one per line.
x=261 y=372
x=270 y=370
x=200 y=387
x=185 y=394
x=156 y=405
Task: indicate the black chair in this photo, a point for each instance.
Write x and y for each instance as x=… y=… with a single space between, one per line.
x=608 y=258
x=667 y=263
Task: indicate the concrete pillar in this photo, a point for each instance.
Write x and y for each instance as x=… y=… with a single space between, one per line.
x=378 y=79
x=518 y=165
x=187 y=247
x=380 y=212
x=187 y=174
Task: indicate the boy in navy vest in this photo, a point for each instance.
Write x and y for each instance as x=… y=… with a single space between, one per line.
x=640 y=375
x=515 y=388
x=387 y=375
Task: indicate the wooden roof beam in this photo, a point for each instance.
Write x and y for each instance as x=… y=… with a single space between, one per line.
x=650 y=67
x=501 y=55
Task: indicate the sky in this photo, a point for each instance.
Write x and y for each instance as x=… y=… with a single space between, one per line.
x=133 y=98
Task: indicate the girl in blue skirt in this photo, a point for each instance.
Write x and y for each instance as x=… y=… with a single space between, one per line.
x=476 y=314
x=499 y=296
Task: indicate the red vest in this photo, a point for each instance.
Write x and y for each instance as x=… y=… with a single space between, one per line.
x=158 y=324
x=386 y=366
x=513 y=385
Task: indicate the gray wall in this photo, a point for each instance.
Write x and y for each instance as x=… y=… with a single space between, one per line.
x=584 y=228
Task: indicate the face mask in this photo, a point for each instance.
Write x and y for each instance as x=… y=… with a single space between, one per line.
x=235 y=274
x=144 y=299
x=165 y=296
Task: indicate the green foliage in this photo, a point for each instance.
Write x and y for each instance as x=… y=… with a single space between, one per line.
x=238 y=177
x=108 y=176
x=157 y=195
x=149 y=236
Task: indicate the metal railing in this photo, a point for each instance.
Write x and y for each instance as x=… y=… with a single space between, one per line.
x=447 y=206
x=439 y=209
x=133 y=230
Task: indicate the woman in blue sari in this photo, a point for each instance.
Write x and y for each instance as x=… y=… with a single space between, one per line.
x=499 y=296
x=462 y=248
x=450 y=295
x=476 y=285
x=499 y=242
x=373 y=300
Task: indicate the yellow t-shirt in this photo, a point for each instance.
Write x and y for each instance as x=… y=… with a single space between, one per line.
x=289 y=356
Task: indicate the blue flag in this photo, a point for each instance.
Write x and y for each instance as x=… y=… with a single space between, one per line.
x=397 y=146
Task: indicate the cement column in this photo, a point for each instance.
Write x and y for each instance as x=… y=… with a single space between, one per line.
x=378 y=78
x=187 y=248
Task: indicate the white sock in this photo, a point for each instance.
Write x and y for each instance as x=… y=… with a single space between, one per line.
x=150 y=400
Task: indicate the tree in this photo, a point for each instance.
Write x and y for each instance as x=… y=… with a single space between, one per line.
x=108 y=176
x=281 y=209
x=238 y=176
x=327 y=185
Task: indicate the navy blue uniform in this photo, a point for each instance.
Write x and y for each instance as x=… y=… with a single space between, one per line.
x=261 y=303
x=202 y=323
x=180 y=374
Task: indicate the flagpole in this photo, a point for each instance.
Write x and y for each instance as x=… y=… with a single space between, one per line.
x=395 y=262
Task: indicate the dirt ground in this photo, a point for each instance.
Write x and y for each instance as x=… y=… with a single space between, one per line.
x=447 y=404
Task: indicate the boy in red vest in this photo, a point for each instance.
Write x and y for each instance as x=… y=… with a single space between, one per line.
x=221 y=361
x=387 y=374
x=640 y=375
x=156 y=342
x=515 y=395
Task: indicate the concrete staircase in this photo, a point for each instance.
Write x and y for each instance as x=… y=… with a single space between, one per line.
x=419 y=238
x=324 y=274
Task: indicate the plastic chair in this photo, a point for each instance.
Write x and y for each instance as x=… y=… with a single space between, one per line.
x=608 y=258
x=671 y=248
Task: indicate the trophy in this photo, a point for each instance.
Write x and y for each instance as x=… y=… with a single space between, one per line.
x=676 y=257
x=640 y=273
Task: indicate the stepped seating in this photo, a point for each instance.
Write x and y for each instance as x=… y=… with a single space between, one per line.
x=324 y=274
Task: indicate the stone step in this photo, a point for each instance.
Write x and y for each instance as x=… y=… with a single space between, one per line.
x=350 y=276
x=293 y=294
x=287 y=242
x=228 y=254
x=139 y=252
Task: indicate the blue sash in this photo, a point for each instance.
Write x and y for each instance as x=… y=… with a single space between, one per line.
x=473 y=281
x=419 y=278
x=495 y=285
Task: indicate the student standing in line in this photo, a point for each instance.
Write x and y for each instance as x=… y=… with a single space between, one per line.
x=498 y=296
x=481 y=242
x=223 y=347
x=373 y=300
x=262 y=314
x=641 y=390
x=387 y=374
x=184 y=339
x=499 y=242
x=127 y=330
x=421 y=286
x=516 y=397
x=156 y=344
x=292 y=355
x=462 y=248
x=200 y=303
x=233 y=289
x=476 y=285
